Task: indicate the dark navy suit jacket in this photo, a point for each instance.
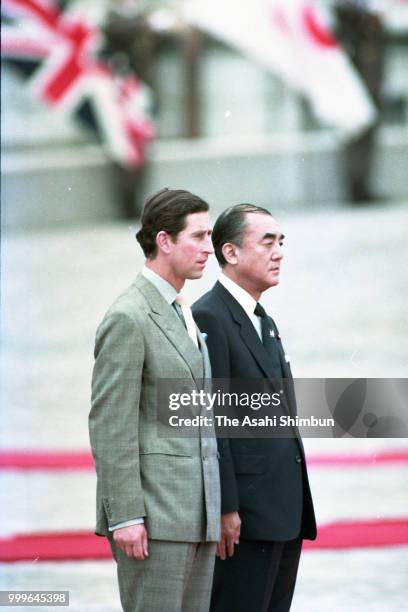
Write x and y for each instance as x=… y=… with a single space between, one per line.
x=265 y=480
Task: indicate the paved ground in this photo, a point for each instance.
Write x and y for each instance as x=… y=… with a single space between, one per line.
x=341 y=308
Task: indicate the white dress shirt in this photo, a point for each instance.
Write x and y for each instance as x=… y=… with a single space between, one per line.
x=245 y=300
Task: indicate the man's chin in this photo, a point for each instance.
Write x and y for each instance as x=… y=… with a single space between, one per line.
x=196 y=274
x=274 y=281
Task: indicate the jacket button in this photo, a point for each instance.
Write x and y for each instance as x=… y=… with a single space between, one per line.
x=298 y=459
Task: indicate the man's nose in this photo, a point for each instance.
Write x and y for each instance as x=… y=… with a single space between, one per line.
x=209 y=246
x=277 y=254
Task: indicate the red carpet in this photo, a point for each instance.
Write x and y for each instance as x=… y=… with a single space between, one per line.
x=82 y=460
x=360 y=534
x=82 y=545
x=64 y=546
x=46 y=460
x=357 y=460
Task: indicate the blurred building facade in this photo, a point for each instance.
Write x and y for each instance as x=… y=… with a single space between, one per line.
x=227 y=129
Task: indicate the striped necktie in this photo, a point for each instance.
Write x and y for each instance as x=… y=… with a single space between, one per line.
x=184 y=312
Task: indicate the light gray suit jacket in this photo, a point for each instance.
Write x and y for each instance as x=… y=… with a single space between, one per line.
x=172 y=482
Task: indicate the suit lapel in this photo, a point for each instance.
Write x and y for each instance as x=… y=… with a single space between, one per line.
x=286 y=373
x=247 y=330
x=252 y=341
x=282 y=358
x=171 y=326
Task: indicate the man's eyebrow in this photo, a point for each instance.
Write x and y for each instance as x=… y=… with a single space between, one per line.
x=201 y=232
x=270 y=236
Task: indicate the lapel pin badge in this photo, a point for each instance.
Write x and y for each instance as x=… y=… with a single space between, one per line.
x=272 y=333
x=205 y=336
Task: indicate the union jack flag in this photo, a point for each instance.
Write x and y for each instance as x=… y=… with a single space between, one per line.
x=57 y=49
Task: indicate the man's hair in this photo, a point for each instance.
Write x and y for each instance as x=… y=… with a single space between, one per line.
x=166 y=211
x=230 y=227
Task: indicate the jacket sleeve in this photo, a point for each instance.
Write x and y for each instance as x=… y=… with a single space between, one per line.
x=114 y=416
x=219 y=352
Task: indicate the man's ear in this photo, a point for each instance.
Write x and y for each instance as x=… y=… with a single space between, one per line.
x=230 y=253
x=164 y=242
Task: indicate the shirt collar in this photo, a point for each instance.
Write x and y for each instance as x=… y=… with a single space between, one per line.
x=243 y=298
x=167 y=291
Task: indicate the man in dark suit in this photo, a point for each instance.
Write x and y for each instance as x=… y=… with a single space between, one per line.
x=265 y=494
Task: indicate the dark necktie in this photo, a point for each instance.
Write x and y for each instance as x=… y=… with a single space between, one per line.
x=269 y=339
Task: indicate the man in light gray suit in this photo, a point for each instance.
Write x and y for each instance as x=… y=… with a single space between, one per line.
x=158 y=498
